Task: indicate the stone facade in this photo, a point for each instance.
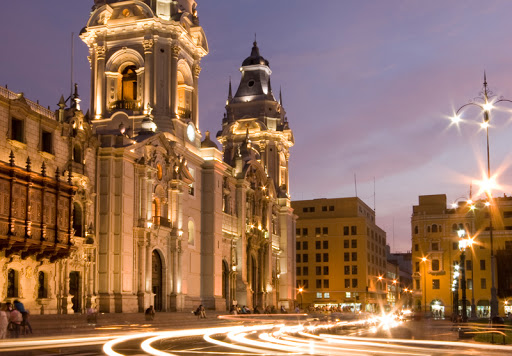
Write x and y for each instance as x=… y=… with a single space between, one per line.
x=160 y=218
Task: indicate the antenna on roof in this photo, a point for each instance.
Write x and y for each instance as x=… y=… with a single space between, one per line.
x=72 y=63
x=355 y=183
x=374 y=195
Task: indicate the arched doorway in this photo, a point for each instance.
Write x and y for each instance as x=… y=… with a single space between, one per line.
x=74 y=290
x=225 y=284
x=156 y=281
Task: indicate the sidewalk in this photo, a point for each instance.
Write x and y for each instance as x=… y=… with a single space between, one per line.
x=76 y=324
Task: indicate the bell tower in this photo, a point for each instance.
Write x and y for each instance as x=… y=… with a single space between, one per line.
x=253 y=115
x=145 y=63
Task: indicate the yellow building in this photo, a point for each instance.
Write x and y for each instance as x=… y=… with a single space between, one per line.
x=435 y=249
x=341 y=253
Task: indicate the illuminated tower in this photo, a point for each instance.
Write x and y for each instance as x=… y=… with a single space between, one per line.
x=256 y=142
x=145 y=58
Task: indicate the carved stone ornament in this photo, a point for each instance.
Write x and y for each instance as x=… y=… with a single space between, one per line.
x=176 y=51
x=197 y=70
x=148 y=45
x=100 y=51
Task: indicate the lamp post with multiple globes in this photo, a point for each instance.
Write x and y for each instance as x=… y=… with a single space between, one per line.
x=485 y=104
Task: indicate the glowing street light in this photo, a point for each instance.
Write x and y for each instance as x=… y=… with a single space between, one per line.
x=486 y=105
x=300 y=290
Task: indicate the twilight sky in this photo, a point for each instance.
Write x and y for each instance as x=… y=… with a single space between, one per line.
x=368 y=86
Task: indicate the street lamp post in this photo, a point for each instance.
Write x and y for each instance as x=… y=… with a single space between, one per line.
x=485 y=105
x=424 y=260
x=300 y=292
x=455 y=289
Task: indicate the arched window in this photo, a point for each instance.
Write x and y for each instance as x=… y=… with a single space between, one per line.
x=416 y=230
x=77 y=154
x=42 y=288
x=12 y=283
x=78 y=220
x=191 y=233
x=454 y=227
x=129 y=84
x=440 y=228
x=434 y=228
x=428 y=228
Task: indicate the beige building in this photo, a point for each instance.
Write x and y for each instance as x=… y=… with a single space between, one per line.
x=141 y=210
x=341 y=255
x=435 y=252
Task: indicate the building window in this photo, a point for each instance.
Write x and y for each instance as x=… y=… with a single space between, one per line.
x=305 y=271
x=482 y=265
x=305 y=258
x=331 y=207
x=354 y=269
x=324 y=208
x=319 y=295
x=297 y=231
x=347 y=269
x=318 y=231
x=345 y=230
x=325 y=245
x=435 y=265
x=354 y=256
x=507 y=214
x=469 y=265
x=305 y=284
x=318 y=245
x=297 y=284
x=325 y=231
x=435 y=284
x=304 y=245
x=470 y=284
x=483 y=283
x=298 y=258
x=508 y=245
x=327 y=295
x=318 y=257
x=435 y=245
x=297 y=245
x=417 y=283
x=42 y=290
x=78 y=220
x=305 y=210
x=416 y=266
x=345 y=244
x=12 y=283
x=346 y=256
x=434 y=228
x=354 y=244
x=416 y=247
x=353 y=230
x=47 y=142
x=319 y=283
x=318 y=270
x=17 y=130
x=416 y=230
x=298 y=271
x=326 y=283
x=326 y=270
x=77 y=154
x=354 y=283
x=304 y=232
x=455 y=245
x=326 y=257
x=347 y=283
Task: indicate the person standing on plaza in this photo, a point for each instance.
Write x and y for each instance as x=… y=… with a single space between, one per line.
x=16 y=319
x=150 y=313
x=4 y=320
x=25 y=324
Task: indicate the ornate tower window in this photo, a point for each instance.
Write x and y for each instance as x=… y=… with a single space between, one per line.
x=77 y=154
x=128 y=84
x=77 y=220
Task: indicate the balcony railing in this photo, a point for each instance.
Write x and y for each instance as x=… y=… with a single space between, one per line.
x=125 y=105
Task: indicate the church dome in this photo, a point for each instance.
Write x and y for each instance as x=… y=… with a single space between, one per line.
x=255 y=58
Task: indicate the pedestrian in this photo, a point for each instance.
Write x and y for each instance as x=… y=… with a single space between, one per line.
x=4 y=320
x=15 y=319
x=201 y=312
x=92 y=315
x=150 y=313
x=25 y=324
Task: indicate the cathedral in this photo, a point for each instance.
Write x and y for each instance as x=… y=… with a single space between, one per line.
x=130 y=205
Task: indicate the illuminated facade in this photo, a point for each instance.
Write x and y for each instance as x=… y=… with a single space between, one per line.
x=341 y=254
x=435 y=252
x=158 y=217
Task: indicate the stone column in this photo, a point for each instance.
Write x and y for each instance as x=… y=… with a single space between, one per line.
x=175 y=52
x=99 y=107
x=142 y=274
x=148 y=96
x=195 y=96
